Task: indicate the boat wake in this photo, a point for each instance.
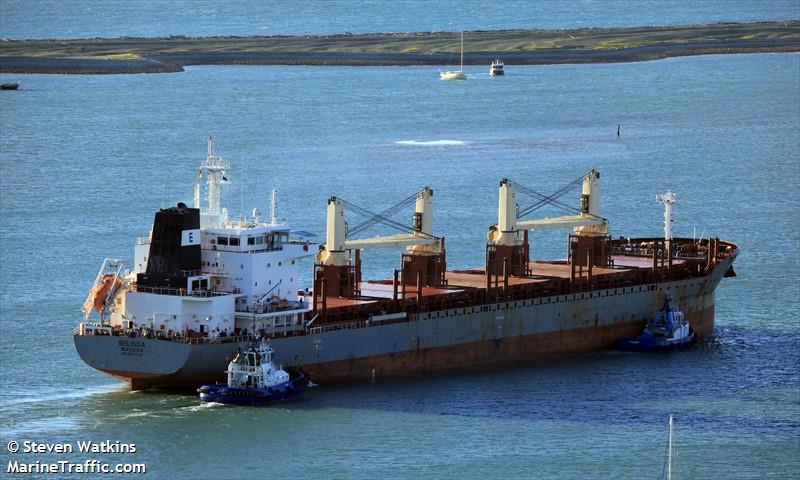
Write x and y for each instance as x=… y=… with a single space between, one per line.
x=202 y=406
x=47 y=396
x=430 y=143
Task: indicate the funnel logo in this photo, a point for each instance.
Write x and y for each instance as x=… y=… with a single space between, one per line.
x=190 y=237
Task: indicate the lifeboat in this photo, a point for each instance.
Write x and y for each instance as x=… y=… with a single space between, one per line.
x=109 y=283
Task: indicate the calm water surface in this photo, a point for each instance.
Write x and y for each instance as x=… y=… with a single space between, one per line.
x=147 y=18
x=85 y=161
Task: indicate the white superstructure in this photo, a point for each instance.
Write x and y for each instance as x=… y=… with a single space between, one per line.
x=254 y=368
x=247 y=280
x=497 y=68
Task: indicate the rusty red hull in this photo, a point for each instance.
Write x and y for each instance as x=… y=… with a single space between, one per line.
x=504 y=351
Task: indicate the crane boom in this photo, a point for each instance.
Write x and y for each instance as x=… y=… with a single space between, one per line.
x=419 y=238
x=399 y=240
x=587 y=222
x=567 y=221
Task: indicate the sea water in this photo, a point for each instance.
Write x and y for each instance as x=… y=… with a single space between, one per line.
x=85 y=161
x=148 y=18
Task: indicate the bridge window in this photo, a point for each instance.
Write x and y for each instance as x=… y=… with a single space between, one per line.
x=251 y=240
x=234 y=241
x=222 y=240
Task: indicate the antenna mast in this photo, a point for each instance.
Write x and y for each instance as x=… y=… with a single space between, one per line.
x=274 y=214
x=668 y=199
x=214 y=168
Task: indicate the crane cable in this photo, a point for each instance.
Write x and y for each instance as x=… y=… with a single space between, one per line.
x=373 y=218
x=384 y=214
x=553 y=199
x=556 y=195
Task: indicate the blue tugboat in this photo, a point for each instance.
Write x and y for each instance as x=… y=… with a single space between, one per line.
x=254 y=380
x=668 y=330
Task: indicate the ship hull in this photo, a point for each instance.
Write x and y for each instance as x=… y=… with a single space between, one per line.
x=432 y=342
x=514 y=350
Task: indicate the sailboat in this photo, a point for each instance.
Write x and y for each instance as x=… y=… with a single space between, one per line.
x=455 y=74
x=669 y=471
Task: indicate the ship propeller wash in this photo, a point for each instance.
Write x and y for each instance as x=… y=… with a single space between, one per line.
x=204 y=287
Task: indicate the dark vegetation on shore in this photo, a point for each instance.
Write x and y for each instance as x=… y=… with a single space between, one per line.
x=515 y=47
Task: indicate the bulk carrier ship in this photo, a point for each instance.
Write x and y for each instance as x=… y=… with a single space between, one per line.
x=204 y=285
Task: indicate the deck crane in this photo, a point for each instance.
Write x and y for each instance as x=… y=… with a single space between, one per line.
x=508 y=251
x=338 y=273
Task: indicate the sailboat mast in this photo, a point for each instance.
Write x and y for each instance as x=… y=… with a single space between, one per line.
x=462 y=51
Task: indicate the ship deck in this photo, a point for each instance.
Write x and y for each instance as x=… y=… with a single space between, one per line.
x=373 y=291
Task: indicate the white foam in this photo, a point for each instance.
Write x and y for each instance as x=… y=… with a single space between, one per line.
x=202 y=406
x=49 y=396
x=431 y=143
x=135 y=414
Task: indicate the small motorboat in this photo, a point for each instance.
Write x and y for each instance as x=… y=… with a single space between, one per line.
x=668 y=330
x=254 y=380
x=497 y=68
x=9 y=85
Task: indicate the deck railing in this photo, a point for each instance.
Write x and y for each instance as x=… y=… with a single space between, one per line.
x=182 y=292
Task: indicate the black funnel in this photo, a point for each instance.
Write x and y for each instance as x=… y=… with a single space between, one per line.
x=174 y=248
